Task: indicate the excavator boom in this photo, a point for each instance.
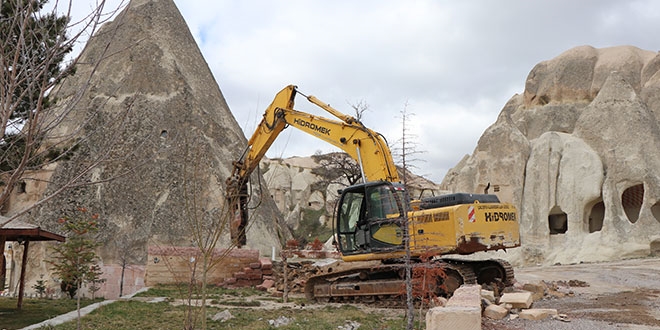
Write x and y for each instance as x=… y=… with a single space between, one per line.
x=366 y=146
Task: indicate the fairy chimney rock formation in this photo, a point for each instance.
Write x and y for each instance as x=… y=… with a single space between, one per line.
x=578 y=149
x=155 y=116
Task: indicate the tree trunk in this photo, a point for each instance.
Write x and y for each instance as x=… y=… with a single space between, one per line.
x=121 y=281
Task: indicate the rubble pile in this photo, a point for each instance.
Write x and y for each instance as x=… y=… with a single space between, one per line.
x=517 y=301
x=298 y=272
x=268 y=275
x=257 y=274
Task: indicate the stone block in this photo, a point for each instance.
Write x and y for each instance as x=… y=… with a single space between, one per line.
x=508 y=307
x=488 y=295
x=521 y=299
x=466 y=296
x=495 y=312
x=247 y=283
x=454 y=318
x=537 y=290
x=462 y=311
x=253 y=274
x=266 y=263
x=537 y=313
x=267 y=284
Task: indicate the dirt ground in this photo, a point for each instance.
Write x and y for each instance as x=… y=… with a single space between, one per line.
x=614 y=295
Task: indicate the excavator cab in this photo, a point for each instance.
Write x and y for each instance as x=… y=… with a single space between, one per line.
x=370 y=218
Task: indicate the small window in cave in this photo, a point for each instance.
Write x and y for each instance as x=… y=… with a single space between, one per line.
x=496 y=188
x=596 y=217
x=655 y=210
x=163 y=134
x=557 y=221
x=631 y=200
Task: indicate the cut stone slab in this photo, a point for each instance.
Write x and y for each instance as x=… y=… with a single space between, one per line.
x=495 y=312
x=488 y=295
x=537 y=313
x=462 y=311
x=454 y=318
x=538 y=290
x=466 y=296
x=518 y=299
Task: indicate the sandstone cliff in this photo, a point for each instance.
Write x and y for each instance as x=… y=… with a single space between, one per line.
x=166 y=162
x=577 y=153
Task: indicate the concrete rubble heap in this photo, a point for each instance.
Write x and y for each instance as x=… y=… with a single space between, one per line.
x=176 y=129
x=577 y=154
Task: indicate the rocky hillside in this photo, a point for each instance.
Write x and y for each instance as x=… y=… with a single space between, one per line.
x=156 y=127
x=577 y=153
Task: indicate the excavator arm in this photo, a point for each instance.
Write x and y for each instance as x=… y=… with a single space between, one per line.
x=366 y=146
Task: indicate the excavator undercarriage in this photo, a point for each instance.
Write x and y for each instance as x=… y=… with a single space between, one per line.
x=384 y=284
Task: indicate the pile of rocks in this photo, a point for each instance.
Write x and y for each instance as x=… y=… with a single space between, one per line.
x=518 y=301
x=298 y=271
x=258 y=274
x=469 y=303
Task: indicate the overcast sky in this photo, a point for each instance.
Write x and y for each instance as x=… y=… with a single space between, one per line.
x=453 y=64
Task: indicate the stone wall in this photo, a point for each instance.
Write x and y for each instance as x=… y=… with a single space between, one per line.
x=173 y=265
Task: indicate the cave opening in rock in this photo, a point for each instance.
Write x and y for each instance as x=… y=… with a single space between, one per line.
x=596 y=217
x=631 y=200
x=655 y=210
x=557 y=221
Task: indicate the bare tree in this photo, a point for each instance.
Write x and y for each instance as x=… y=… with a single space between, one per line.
x=130 y=250
x=407 y=148
x=35 y=42
x=337 y=165
x=360 y=107
x=207 y=228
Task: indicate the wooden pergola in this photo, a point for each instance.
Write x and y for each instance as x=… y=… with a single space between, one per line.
x=24 y=233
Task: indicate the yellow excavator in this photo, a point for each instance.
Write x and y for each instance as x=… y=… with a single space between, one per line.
x=373 y=218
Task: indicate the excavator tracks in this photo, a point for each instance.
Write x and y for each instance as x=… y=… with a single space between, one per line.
x=492 y=271
x=384 y=285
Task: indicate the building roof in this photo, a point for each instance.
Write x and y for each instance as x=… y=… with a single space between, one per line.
x=21 y=231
